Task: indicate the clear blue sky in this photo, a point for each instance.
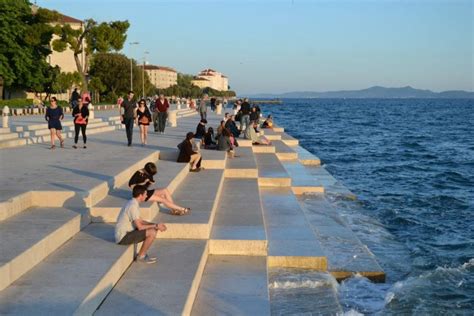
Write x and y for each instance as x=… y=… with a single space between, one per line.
x=279 y=46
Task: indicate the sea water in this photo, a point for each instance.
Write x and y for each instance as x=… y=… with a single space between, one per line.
x=411 y=164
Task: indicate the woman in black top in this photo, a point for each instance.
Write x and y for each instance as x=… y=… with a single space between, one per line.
x=81 y=118
x=144 y=177
x=54 y=115
x=209 y=142
x=143 y=120
x=187 y=154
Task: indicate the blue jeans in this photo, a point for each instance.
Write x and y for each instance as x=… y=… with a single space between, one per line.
x=129 y=128
x=244 y=120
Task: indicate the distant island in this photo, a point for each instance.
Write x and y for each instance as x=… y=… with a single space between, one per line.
x=374 y=92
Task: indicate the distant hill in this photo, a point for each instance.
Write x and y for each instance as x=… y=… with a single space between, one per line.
x=374 y=92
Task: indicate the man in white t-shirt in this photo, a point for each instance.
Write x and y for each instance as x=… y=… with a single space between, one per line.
x=131 y=229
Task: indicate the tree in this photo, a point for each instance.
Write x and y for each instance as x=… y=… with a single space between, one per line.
x=24 y=45
x=113 y=71
x=102 y=38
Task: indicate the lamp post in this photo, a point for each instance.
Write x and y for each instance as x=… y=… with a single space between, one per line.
x=143 y=73
x=131 y=64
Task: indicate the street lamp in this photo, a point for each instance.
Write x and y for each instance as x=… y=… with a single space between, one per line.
x=131 y=64
x=143 y=73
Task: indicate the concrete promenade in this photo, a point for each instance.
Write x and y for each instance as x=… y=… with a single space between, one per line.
x=58 y=208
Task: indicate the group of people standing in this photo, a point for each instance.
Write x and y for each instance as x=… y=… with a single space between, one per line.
x=132 y=112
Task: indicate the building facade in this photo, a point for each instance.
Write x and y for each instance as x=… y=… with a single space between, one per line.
x=212 y=79
x=161 y=77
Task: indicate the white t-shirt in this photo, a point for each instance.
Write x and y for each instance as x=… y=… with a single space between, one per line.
x=129 y=213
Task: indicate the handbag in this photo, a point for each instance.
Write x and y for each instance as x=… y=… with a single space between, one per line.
x=80 y=120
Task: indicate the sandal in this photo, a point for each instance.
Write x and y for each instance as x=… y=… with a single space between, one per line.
x=62 y=144
x=195 y=170
x=53 y=146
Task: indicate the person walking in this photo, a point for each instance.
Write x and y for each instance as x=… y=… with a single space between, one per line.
x=129 y=106
x=161 y=106
x=81 y=118
x=132 y=229
x=245 y=117
x=143 y=120
x=54 y=115
x=75 y=96
x=202 y=108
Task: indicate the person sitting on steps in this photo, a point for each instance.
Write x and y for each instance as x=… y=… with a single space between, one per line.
x=131 y=229
x=187 y=154
x=144 y=177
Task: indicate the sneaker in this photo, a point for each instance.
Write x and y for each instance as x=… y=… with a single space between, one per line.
x=146 y=259
x=74 y=146
x=85 y=146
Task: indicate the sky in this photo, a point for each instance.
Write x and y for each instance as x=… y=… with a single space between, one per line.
x=278 y=46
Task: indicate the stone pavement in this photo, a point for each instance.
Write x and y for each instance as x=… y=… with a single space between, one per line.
x=58 y=209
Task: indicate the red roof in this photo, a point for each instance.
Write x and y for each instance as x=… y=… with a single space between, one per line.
x=67 y=19
x=153 y=67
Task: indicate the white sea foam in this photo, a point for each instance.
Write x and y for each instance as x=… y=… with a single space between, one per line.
x=298 y=284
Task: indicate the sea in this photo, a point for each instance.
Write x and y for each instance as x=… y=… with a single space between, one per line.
x=410 y=162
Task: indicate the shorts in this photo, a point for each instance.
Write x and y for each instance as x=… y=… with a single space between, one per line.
x=149 y=194
x=133 y=237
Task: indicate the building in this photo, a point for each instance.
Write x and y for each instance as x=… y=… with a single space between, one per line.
x=212 y=79
x=161 y=77
x=65 y=60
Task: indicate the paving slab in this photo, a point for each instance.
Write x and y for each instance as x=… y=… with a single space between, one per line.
x=289 y=140
x=346 y=254
x=271 y=171
x=168 y=287
x=202 y=199
x=73 y=280
x=290 y=243
x=233 y=285
x=243 y=165
x=283 y=151
x=32 y=235
x=303 y=178
x=307 y=158
x=238 y=227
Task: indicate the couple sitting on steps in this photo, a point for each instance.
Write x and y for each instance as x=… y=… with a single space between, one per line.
x=130 y=227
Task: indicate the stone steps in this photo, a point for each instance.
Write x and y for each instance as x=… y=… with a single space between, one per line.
x=238 y=226
x=307 y=158
x=19 y=126
x=31 y=236
x=346 y=254
x=12 y=143
x=291 y=240
x=73 y=280
x=243 y=165
x=5 y=130
x=202 y=199
x=303 y=179
x=271 y=171
x=233 y=285
x=168 y=287
x=8 y=136
x=170 y=175
x=283 y=151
